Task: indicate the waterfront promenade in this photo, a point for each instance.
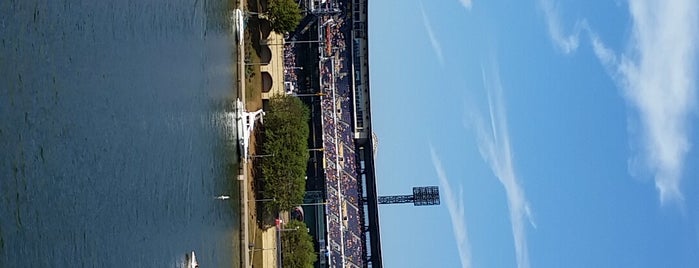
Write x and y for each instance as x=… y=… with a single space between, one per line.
x=243 y=172
x=258 y=246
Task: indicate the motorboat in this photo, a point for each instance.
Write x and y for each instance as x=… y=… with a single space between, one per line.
x=245 y=124
x=192 y=262
x=239 y=25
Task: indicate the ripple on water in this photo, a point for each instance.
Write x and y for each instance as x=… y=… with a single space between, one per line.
x=104 y=134
x=2 y=240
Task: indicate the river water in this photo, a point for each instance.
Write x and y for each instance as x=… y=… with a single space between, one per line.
x=113 y=134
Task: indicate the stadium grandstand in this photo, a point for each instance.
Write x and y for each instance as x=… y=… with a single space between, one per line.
x=326 y=65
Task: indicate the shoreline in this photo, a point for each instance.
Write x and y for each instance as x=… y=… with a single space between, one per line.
x=258 y=246
x=249 y=230
x=244 y=165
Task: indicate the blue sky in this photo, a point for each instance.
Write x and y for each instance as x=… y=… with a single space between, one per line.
x=561 y=133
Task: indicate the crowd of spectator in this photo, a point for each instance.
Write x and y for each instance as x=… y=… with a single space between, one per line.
x=290 y=68
x=343 y=189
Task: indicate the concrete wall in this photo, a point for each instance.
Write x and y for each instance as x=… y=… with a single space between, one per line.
x=275 y=68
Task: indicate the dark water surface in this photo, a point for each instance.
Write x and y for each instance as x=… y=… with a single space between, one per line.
x=113 y=139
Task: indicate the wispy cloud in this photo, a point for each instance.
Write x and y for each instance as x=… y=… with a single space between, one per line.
x=567 y=43
x=606 y=56
x=657 y=76
x=456 y=211
x=494 y=146
x=467 y=4
x=436 y=47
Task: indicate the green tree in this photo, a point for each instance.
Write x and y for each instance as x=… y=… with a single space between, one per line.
x=286 y=139
x=284 y=15
x=297 y=246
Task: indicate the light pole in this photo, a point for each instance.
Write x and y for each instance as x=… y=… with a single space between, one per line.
x=290 y=229
x=263 y=200
x=308 y=94
x=304 y=41
x=293 y=42
x=261 y=249
x=279 y=241
x=261 y=155
x=313 y=204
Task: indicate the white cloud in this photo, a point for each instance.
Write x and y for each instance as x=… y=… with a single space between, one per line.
x=494 y=146
x=657 y=76
x=456 y=211
x=566 y=43
x=466 y=3
x=436 y=47
x=603 y=53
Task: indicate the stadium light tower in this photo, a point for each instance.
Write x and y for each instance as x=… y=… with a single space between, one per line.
x=422 y=196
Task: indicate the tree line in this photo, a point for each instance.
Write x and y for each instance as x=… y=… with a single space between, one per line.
x=286 y=133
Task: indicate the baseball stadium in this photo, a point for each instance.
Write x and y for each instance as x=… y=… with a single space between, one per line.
x=326 y=65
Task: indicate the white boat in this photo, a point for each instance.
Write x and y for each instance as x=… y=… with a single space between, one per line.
x=239 y=25
x=192 y=262
x=245 y=124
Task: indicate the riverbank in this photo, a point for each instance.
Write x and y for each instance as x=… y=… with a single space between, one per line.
x=258 y=246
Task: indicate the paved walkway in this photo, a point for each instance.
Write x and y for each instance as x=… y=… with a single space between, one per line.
x=243 y=177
